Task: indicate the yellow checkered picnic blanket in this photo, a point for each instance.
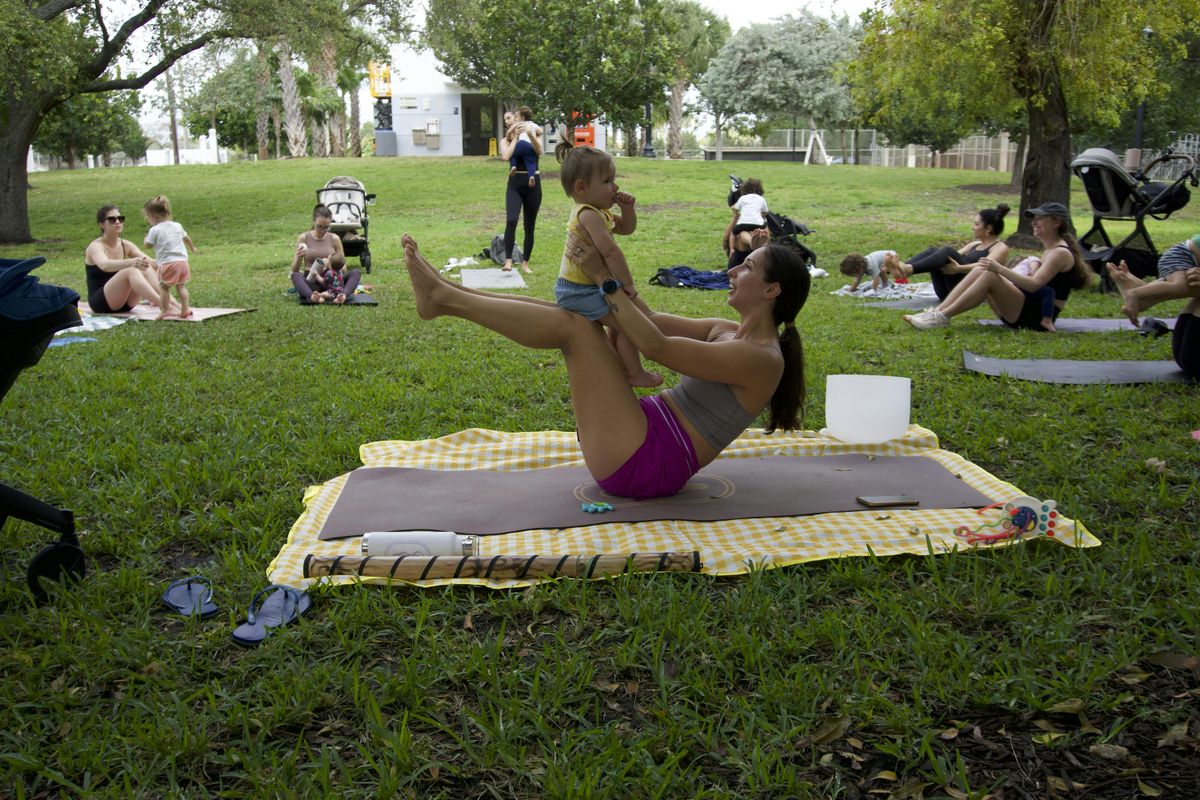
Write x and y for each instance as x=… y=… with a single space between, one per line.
x=727 y=547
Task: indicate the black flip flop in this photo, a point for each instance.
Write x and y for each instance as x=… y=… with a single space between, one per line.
x=191 y=597
x=272 y=607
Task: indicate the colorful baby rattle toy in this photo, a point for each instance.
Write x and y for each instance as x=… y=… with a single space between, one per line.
x=1021 y=516
x=595 y=508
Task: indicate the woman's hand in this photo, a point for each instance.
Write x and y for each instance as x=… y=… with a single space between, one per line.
x=990 y=264
x=1193 y=278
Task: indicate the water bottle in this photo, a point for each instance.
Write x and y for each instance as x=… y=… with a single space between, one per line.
x=417 y=543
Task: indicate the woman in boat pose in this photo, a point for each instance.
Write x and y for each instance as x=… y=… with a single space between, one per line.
x=729 y=371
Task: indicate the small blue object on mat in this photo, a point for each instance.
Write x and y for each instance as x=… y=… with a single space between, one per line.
x=595 y=508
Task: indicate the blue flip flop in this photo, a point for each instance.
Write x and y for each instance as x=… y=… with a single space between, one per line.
x=272 y=607
x=191 y=597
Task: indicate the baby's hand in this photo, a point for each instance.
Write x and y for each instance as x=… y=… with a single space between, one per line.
x=1193 y=277
x=625 y=199
x=760 y=237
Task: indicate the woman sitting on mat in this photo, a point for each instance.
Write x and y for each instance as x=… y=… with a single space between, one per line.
x=321 y=243
x=1017 y=298
x=729 y=371
x=119 y=275
x=947 y=266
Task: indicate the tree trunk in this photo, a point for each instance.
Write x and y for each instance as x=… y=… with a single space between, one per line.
x=15 y=138
x=631 y=140
x=262 y=105
x=320 y=139
x=1047 y=174
x=675 y=120
x=355 y=124
x=336 y=123
x=720 y=140
x=293 y=117
x=1018 y=167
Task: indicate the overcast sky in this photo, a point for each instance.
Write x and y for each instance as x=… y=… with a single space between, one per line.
x=741 y=12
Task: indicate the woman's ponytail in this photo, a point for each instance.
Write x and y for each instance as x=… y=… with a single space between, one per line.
x=786 y=268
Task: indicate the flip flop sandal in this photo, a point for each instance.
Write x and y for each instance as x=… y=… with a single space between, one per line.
x=191 y=597
x=272 y=607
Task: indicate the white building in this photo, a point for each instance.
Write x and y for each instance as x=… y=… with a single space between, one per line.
x=434 y=116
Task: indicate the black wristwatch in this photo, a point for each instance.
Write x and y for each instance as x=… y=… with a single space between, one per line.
x=610 y=286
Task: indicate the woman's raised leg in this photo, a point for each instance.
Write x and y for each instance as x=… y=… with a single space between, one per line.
x=609 y=421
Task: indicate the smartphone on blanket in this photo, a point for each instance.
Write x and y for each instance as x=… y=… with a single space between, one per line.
x=887 y=500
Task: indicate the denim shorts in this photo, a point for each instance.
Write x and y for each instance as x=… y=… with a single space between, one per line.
x=581 y=298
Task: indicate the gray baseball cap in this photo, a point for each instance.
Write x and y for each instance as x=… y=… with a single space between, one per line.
x=1051 y=209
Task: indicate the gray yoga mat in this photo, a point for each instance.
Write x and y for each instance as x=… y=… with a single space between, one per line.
x=1056 y=370
x=490 y=502
x=911 y=304
x=1085 y=325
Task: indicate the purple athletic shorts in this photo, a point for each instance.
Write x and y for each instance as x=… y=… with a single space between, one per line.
x=662 y=465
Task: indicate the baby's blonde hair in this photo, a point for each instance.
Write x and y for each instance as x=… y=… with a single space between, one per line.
x=581 y=163
x=158 y=207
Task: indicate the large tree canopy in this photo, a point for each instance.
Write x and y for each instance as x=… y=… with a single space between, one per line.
x=606 y=57
x=792 y=67
x=965 y=62
x=54 y=50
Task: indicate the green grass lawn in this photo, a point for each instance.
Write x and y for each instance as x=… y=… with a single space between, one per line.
x=187 y=448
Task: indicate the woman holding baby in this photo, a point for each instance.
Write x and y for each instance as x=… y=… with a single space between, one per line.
x=318 y=254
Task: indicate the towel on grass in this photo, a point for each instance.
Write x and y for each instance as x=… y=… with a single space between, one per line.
x=494 y=278
x=728 y=547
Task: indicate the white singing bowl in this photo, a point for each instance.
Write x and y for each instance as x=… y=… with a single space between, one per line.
x=867 y=409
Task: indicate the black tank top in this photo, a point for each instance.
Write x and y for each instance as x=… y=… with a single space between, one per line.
x=1064 y=281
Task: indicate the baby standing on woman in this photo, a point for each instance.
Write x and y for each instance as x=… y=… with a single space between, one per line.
x=589 y=178
x=169 y=240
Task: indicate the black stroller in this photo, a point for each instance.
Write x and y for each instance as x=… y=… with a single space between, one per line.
x=1117 y=194
x=348 y=200
x=30 y=315
x=784 y=230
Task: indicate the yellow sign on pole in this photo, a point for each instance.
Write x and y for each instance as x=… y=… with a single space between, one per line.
x=381 y=79
x=492 y=147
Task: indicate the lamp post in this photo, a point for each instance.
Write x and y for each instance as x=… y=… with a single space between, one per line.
x=648 y=145
x=1133 y=156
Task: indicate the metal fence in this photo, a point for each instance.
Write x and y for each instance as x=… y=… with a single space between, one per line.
x=867 y=146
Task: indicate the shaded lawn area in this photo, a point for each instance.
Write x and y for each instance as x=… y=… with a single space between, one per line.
x=1019 y=672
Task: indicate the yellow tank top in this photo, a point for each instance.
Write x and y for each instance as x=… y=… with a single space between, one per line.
x=570 y=269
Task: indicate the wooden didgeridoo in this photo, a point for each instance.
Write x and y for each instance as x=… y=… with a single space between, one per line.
x=417 y=568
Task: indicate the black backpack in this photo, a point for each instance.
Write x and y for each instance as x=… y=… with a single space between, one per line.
x=495 y=251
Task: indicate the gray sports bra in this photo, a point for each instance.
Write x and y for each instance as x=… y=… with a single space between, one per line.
x=712 y=409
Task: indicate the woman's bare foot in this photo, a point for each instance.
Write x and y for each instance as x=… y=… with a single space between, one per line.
x=507 y=265
x=317 y=298
x=525 y=268
x=1048 y=325
x=339 y=299
x=645 y=379
x=1127 y=283
x=427 y=286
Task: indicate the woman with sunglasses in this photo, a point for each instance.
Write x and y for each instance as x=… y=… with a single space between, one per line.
x=119 y=275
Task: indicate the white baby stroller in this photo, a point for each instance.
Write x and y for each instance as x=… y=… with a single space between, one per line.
x=348 y=200
x=1117 y=194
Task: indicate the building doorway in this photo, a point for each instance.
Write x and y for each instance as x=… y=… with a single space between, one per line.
x=479 y=123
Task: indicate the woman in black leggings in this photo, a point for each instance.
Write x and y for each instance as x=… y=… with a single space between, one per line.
x=947 y=266
x=1185 y=341
x=524 y=191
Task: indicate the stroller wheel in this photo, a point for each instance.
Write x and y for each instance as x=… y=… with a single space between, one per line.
x=57 y=562
x=365 y=259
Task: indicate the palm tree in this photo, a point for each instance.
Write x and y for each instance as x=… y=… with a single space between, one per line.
x=697 y=36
